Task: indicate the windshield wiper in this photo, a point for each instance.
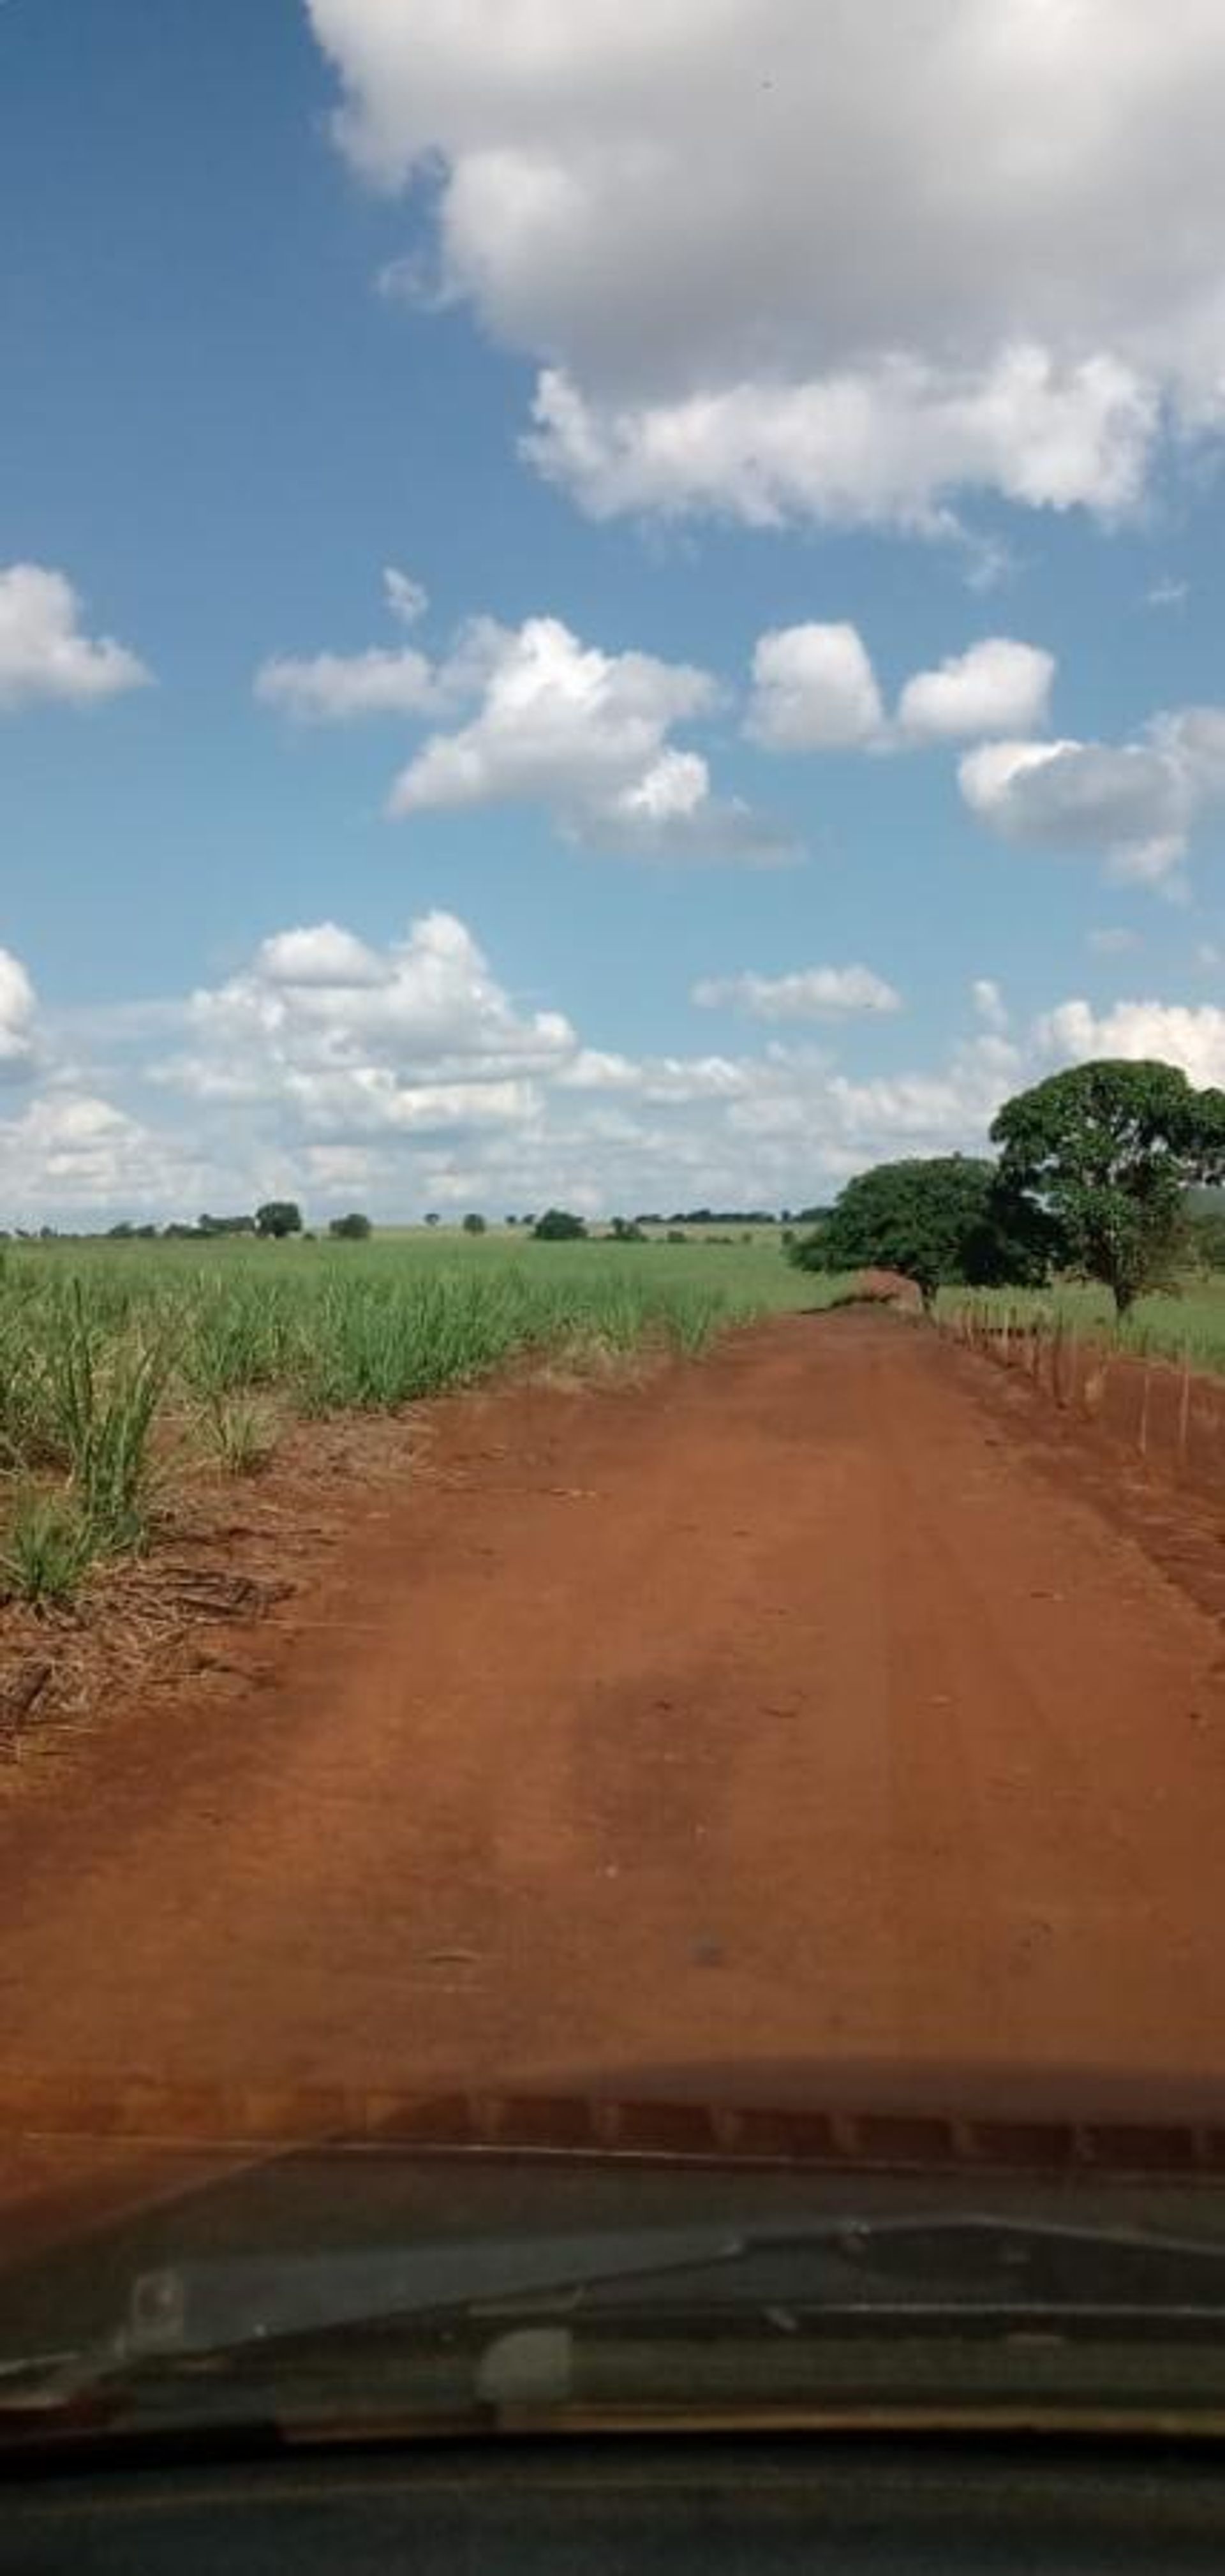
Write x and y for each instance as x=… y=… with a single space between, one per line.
x=912 y=2270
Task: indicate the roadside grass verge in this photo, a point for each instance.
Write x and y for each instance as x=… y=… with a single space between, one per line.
x=1187 y=1324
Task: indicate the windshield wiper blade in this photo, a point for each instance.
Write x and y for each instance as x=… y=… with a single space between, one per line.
x=216 y=2305
x=912 y=2265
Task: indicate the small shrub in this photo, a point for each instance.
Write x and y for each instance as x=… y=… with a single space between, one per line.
x=46 y=1551
x=238 y=1436
x=102 y=1397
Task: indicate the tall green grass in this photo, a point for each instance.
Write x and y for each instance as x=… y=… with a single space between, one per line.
x=110 y=1356
x=1186 y=1325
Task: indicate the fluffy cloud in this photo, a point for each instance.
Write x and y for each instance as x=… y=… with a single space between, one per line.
x=1192 y=1036
x=809 y=993
x=355 y=1040
x=1133 y=802
x=1194 y=741
x=585 y=734
x=549 y=721
x=72 y=1155
x=889 y=446
x=17 y=1018
x=323 y=956
x=559 y=722
x=984 y=256
x=406 y=1077
x=538 y=717
x=44 y=655
x=998 y=686
x=331 y=688
x=814 y=689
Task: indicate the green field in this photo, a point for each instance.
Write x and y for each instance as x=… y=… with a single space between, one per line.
x=1186 y=1324
x=123 y=1365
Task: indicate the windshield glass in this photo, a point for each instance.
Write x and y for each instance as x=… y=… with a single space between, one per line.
x=612 y=1192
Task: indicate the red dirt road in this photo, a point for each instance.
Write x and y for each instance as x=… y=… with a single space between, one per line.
x=803 y=1707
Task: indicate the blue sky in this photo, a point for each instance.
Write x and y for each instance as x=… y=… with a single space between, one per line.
x=677 y=898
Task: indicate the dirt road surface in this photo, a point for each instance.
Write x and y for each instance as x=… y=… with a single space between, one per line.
x=806 y=1707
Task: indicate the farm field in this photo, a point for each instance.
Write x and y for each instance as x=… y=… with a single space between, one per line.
x=681 y=1726
x=127 y=1370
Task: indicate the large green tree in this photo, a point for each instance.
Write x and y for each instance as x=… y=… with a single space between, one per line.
x=278 y=1217
x=1108 y=1150
x=944 y=1220
x=557 y=1225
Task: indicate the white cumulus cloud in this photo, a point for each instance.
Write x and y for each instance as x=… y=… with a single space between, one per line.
x=997 y=687
x=891 y=446
x=1132 y=802
x=323 y=954
x=808 y=993
x=44 y=652
x=584 y=733
x=70 y=1153
x=331 y=688
x=405 y=1076
x=18 y=1010
x=354 y=1039
x=1191 y=1036
x=814 y=689
x=773 y=266
x=535 y=716
x=560 y=722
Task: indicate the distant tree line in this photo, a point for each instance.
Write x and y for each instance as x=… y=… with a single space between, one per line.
x=274 y=1222
x=715 y=1216
x=1111 y=1171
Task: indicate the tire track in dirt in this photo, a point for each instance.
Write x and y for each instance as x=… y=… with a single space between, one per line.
x=1046 y=1871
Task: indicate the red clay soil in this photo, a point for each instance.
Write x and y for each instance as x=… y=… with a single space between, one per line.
x=820 y=1714
x=888 y=1288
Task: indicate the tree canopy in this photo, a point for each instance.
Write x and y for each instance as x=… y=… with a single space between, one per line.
x=941 y=1221
x=557 y=1225
x=354 y=1228
x=474 y=1222
x=1108 y=1150
x=278 y=1217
